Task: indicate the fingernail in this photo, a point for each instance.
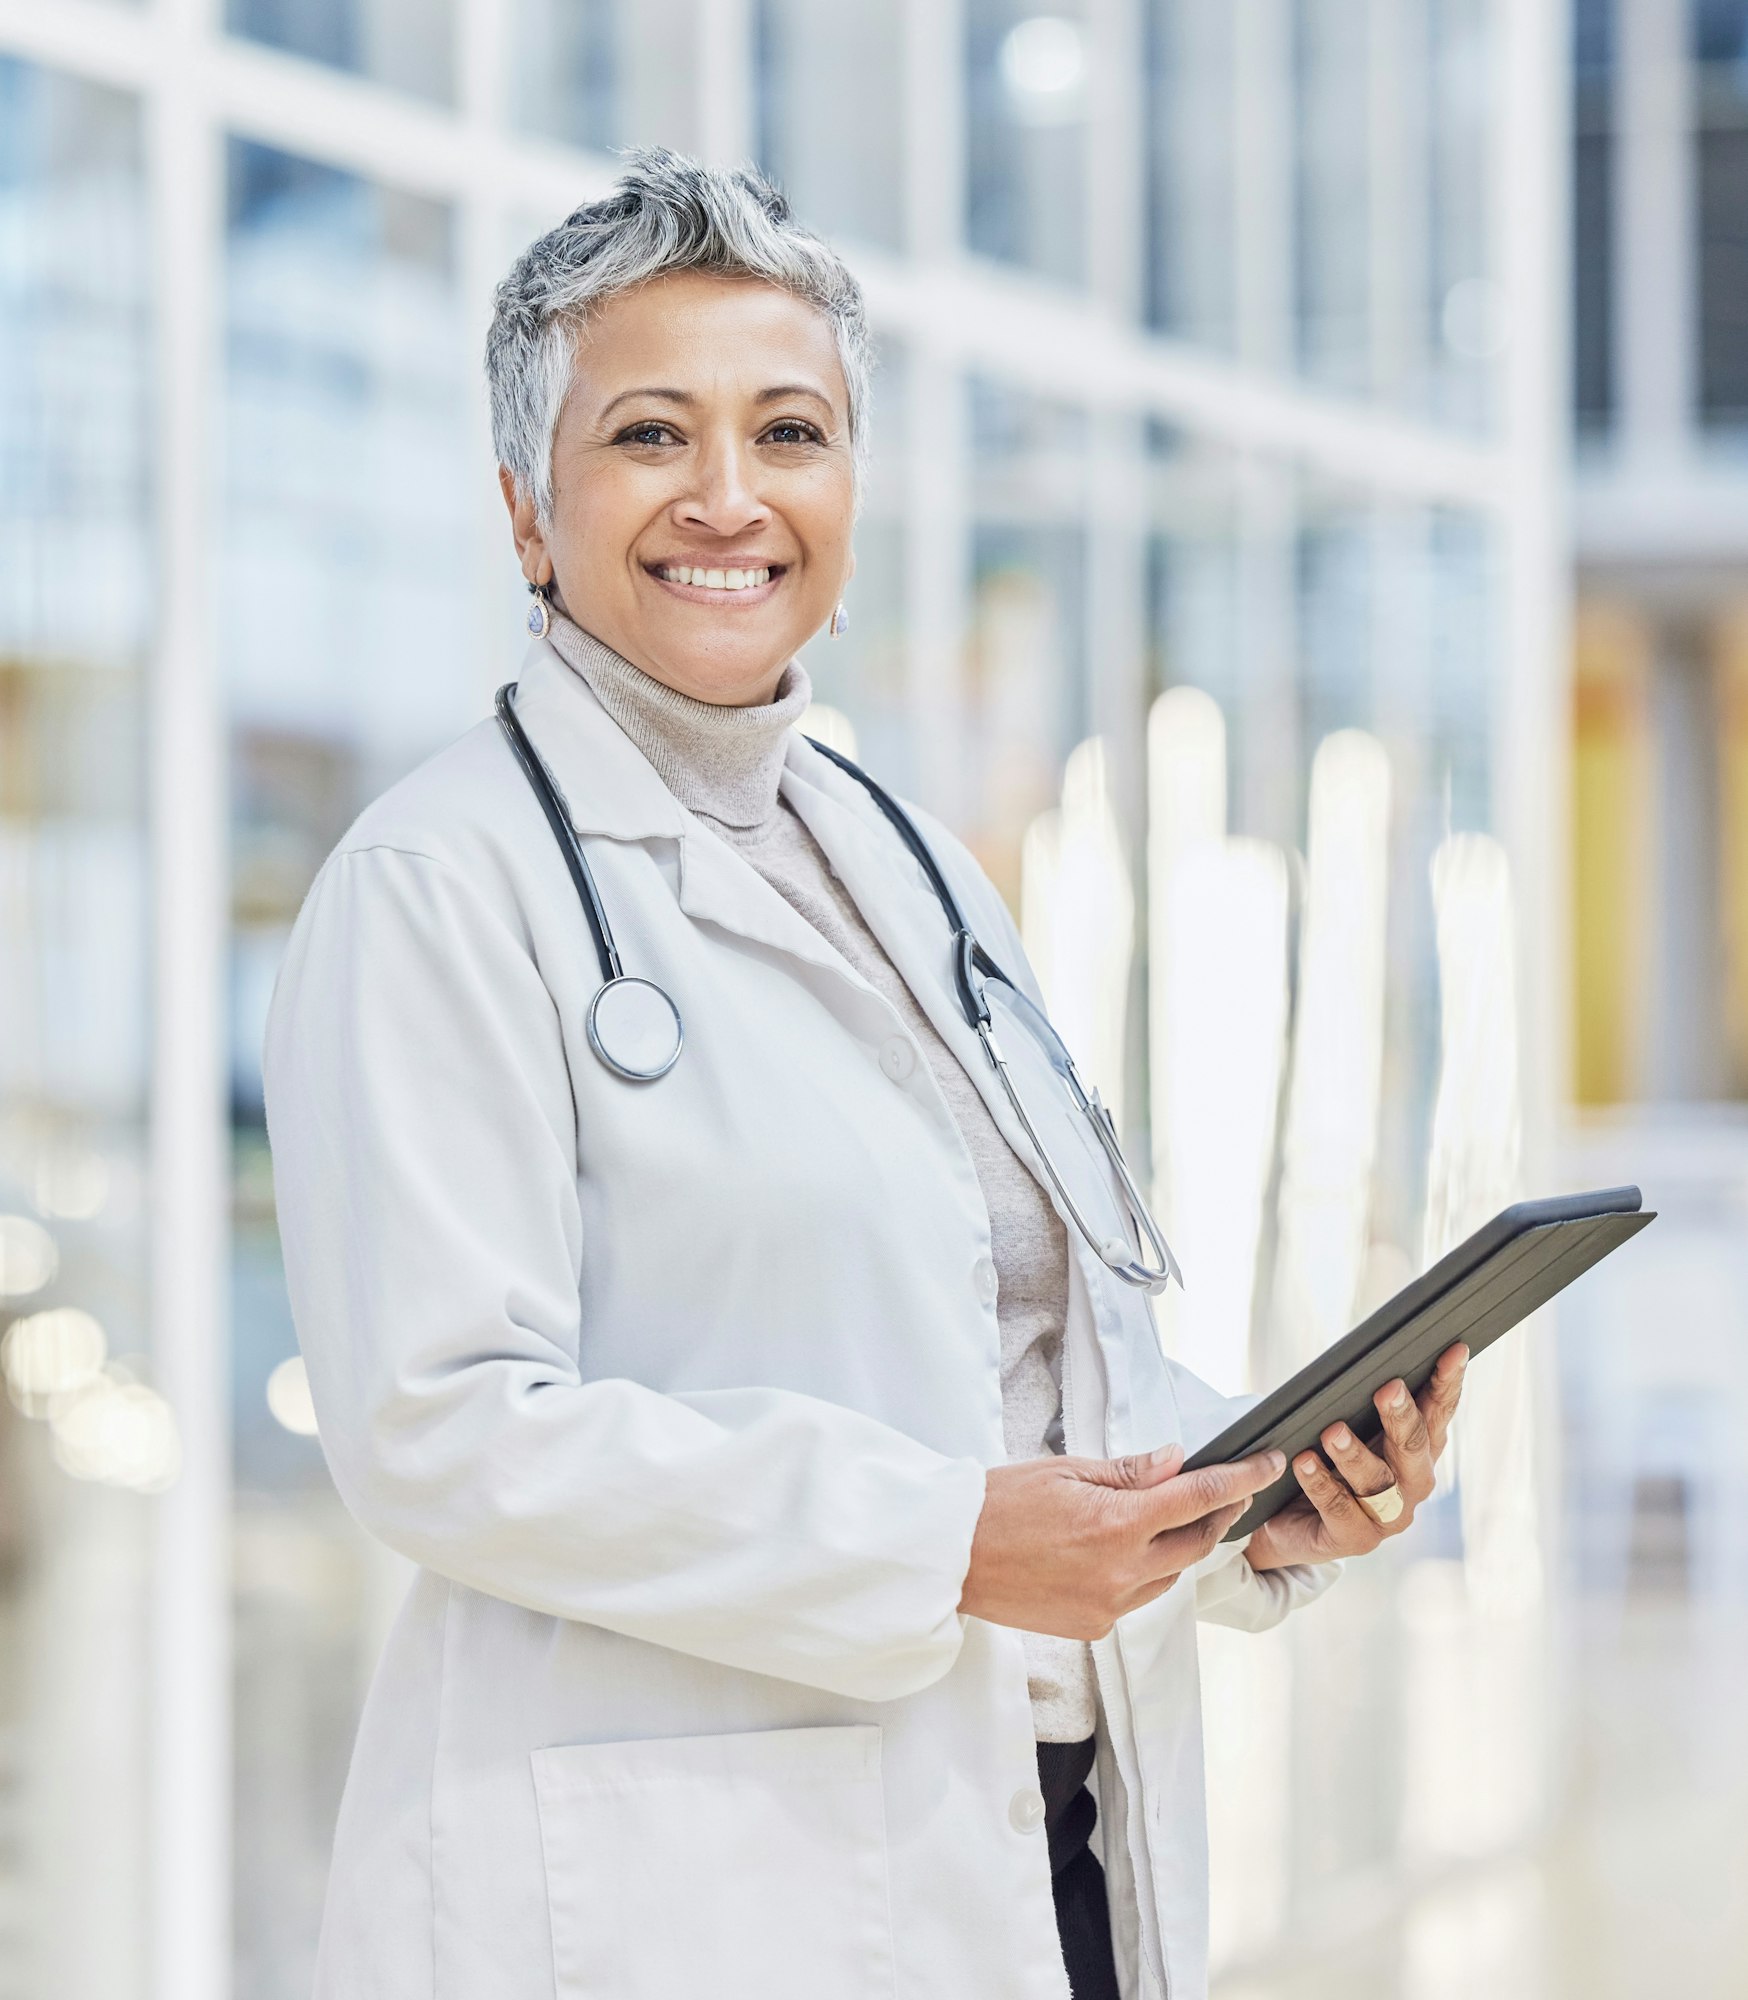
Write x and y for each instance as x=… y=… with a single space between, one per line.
x=1306 y=1465
x=1399 y=1397
x=1342 y=1435
x=1276 y=1461
x=1164 y=1452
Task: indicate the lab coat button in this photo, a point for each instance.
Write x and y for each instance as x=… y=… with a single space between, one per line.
x=1026 y=1810
x=984 y=1278
x=897 y=1058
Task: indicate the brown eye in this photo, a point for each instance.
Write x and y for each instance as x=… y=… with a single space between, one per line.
x=646 y=434
x=793 y=431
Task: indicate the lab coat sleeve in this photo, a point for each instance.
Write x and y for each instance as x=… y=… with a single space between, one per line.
x=1228 y=1590
x=424 y=1150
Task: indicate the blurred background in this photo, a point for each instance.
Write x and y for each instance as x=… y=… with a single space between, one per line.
x=1305 y=557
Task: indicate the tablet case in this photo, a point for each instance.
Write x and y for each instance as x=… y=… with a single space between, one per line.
x=1477 y=1292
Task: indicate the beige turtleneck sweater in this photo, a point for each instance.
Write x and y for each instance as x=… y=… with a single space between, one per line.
x=724 y=765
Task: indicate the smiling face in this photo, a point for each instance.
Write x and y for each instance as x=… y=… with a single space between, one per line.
x=702 y=486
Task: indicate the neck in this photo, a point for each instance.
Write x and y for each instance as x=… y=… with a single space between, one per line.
x=724 y=763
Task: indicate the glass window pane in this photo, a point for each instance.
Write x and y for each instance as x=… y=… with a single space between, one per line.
x=1191 y=220
x=1304 y=608
x=830 y=98
x=1723 y=254
x=605 y=73
x=1720 y=41
x=407 y=44
x=1342 y=633
x=1593 y=261
x=1593 y=198
x=1467 y=330
x=1026 y=83
x=348 y=590
x=1027 y=697
x=1719 y=31
x=75 y=626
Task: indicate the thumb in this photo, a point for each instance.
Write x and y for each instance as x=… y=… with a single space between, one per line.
x=1139 y=1470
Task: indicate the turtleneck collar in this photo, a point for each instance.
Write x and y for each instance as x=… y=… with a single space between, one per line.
x=720 y=762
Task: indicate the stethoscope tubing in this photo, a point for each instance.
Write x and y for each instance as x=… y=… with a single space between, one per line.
x=559 y=819
x=970 y=963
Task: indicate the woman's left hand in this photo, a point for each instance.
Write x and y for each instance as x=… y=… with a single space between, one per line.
x=1327 y=1520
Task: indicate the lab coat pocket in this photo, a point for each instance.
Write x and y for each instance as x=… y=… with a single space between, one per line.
x=748 y=1867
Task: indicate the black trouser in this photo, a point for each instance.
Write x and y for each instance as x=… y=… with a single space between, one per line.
x=1083 y=1921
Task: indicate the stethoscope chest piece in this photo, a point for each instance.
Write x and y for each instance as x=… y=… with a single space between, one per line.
x=635 y=1029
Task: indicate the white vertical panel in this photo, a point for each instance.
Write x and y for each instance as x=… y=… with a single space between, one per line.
x=1397 y=192
x=1077 y=917
x=189 y=1832
x=1115 y=182
x=1331 y=1135
x=1220 y=960
x=1655 y=280
x=482 y=225
x=725 y=82
x=1186 y=809
x=937 y=576
x=1262 y=131
x=1116 y=604
x=937 y=499
x=1268 y=637
x=1532 y=688
x=934 y=128
x=1473 y=1171
x=1116 y=513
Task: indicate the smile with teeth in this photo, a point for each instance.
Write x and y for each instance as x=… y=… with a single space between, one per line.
x=714 y=579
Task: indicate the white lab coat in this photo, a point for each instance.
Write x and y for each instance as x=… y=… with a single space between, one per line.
x=681 y=1395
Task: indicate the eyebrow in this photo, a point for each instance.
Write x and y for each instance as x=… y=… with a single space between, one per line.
x=783 y=389
x=686 y=398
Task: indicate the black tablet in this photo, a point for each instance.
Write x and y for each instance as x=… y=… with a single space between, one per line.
x=1511 y=1265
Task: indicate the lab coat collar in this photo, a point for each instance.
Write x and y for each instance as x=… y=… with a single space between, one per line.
x=612 y=789
x=608 y=784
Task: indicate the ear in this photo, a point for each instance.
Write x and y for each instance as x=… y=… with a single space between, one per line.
x=531 y=550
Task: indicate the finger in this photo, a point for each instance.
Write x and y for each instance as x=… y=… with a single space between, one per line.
x=1141 y=1469
x=1193 y=1495
x=1358 y=1464
x=1439 y=1399
x=1178 y=1549
x=1405 y=1441
x=1352 y=1531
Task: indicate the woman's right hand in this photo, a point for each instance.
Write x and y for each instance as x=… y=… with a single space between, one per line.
x=1067 y=1545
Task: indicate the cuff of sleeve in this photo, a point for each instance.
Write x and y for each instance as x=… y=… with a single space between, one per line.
x=1230 y=1592
x=921 y=1653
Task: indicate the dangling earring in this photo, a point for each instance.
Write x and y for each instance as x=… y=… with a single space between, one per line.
x=840 y=621
x=540 y=611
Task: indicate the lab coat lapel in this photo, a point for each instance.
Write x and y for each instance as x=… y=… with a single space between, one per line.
x=888 y=886
x=717 y=886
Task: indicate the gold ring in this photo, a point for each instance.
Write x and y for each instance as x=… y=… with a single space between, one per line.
x=1383 y=1507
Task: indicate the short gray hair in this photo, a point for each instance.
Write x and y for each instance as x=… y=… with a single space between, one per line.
x=666 y=213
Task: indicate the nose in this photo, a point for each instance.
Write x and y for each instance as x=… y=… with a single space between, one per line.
x=724 y=501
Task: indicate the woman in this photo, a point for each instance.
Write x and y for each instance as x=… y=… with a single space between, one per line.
x=796 y=1497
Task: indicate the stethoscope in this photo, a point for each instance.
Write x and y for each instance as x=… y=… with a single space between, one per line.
x=635 y=1028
